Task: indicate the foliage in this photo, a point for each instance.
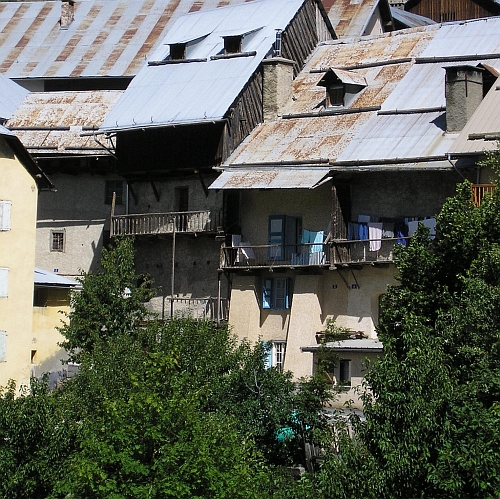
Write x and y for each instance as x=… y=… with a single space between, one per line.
x=158 y=409
x=431 y=424
x=99 y=309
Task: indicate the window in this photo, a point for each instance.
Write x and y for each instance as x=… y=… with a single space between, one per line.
x=4 y=282
x=3 y=345
x=111 y=187
x=276 y=293
x=40 y=297
x=5 y=209
x=276 y=355
x=177 y=51
x=284 y=234
x=345 y=372
x=182 y=198
x=335 y=95
x=57 y=241
x=232 y=44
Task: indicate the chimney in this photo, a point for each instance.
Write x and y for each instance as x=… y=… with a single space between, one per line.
x=277 y=86
x=67 y=13
x=464 y=93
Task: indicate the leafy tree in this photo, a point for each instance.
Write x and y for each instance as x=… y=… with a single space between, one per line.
x=431 y=420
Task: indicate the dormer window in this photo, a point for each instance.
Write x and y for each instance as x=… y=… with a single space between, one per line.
x=232 y=44
x=341 y=86
x=177 y=51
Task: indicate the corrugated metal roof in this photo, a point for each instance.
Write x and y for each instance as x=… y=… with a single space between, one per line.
x=11 y=95
x=350 y=18
x=106 y=38
x=409 y=19
x=6 y=132
x=52 y=122
x=274 y=178
x=408 y=131
x=363 y=345
x=482 y=131
x=189 y=92
x=46 y=278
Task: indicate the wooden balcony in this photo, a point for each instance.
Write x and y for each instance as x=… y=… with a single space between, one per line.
x=186 y=306
x=479 y=191
x=365 y=251
x=150 y=224
x=248 y=256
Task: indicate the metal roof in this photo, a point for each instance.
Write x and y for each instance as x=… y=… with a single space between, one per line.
x=106 y=38
x=409 y=19
x=350 y=18
x=357 y=345
x=46 y=278
x=274 y=178
x=192 y=91
x=11 y=95
x=397 y=121
x=52 y=122
x=482 y=131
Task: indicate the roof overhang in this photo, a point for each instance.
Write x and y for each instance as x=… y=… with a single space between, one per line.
x=359 y=345
x=44 y=278
x=271 y=178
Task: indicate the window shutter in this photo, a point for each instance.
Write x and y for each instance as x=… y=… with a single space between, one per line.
x=5 y=209
x=3 y=342
x=267 y=287
x=280 y=293
x=268 y=361
x=4 y=281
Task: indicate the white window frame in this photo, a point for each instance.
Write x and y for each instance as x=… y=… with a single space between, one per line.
x=4 y=282
x=5 y=215
x=3 y=346
x=276 y=355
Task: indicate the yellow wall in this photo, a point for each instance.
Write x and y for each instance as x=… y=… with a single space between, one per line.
x=350 y=297
x=45 y=335
x=17 y=253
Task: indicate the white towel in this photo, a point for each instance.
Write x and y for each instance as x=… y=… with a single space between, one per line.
x=375 y=235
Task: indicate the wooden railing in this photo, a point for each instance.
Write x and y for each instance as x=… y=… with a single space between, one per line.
x=364 y=251
x=274 y=255
x=479 y=191
x=185 y=306
x=164 y=223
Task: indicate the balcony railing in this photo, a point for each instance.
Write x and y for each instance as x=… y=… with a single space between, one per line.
x=185 y=306
x=274 y=255
x=365 y=251
x=146 y=224
x=479 y=191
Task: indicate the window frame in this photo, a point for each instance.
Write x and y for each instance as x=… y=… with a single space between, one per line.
x=276 y=293
x=57 y=248
x=5 y=215
x=276 y=354
x=4 y=282
x=110 y=187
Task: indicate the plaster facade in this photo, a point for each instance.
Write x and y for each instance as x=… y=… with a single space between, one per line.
x=17 y=254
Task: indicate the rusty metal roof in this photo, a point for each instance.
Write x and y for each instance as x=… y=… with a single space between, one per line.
x=482 y=132
x=204 y=85
x=354 y=18
x=106 y=38
x=52 y=122
x=11 y=95
x=398 y=119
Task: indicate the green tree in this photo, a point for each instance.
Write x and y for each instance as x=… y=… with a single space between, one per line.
x=431 y=424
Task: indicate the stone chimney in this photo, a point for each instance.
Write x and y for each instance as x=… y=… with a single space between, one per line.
x=67 y=13
x=464 y=93
x=277 y=86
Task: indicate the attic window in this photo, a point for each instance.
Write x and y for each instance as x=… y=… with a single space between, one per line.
x=177 y=51
x=341 y=86
x=232 y=44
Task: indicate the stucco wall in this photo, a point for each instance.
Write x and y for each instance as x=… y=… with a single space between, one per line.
x=45 y=335
x=349 y=297
x=313 y=206
x=77 y=207
x=17 y=253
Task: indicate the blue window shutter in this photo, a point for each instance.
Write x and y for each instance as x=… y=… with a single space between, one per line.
x=268 y=362
x=276 y=236
x=287 y=293
x=267 y=296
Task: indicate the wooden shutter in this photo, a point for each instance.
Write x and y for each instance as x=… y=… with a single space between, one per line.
x=5 y=209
